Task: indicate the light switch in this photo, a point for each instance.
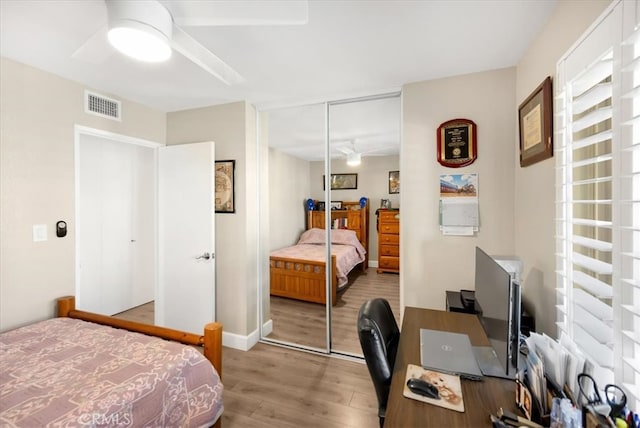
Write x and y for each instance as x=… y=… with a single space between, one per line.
x=39 y=232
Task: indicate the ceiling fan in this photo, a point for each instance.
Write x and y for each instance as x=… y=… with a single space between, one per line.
x=158 y=25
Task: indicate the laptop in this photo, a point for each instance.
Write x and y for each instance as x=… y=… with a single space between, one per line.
x=448 y=352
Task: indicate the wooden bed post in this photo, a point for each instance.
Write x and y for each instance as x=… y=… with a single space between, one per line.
x=213 y=345
x=66 y=305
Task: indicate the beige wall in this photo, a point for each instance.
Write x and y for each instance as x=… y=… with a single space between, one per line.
x=535 y=184
x=373 y=183
x=430 y=262
x=232 y=128
x=38 y=112
x=289 y=184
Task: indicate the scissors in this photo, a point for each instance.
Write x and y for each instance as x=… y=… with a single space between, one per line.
x=615 y=397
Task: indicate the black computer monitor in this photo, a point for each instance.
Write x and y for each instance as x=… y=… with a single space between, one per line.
x=498 y=300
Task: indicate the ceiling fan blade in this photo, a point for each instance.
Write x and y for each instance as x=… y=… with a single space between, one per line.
x=198 y=54
x=239 y=12
x=96 y=49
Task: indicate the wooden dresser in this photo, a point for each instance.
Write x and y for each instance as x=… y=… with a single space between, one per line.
x=388 y=241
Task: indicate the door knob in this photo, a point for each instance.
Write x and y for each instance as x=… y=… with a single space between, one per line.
x=205 y=256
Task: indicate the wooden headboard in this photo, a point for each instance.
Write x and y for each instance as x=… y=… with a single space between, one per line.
x=352 y=217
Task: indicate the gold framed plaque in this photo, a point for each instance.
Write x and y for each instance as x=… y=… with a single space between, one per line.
x=457 y=143
x=536 y=124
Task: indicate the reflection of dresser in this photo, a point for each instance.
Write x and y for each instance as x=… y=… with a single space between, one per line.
x=388 y=241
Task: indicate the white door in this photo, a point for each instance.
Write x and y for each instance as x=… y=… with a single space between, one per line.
x=185 y=297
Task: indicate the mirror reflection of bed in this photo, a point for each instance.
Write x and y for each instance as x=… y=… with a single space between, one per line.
x=298 y=284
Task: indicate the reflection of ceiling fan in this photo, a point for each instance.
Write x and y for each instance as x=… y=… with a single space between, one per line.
x=158 y=24
x=355 y=148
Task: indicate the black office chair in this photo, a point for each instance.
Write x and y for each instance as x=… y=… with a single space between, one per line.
x=379 y=335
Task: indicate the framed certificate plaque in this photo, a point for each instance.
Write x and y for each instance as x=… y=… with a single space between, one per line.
x=457 y=143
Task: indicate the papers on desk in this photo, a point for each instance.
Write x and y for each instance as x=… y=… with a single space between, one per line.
x=559 y=362
x=448 y=385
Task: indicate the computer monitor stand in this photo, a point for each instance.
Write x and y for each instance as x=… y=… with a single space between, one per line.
x=491 y=366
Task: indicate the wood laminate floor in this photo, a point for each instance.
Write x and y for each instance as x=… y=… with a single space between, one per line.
x=304 y=323
x=271 y=386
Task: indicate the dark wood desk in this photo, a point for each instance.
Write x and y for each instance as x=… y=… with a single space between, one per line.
x=480 y=398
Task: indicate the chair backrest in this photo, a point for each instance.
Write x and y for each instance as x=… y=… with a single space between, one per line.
x=379 y=335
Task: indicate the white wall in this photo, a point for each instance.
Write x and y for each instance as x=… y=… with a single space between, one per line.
x=289 y=188
x=430 y=262
x=535 y=185
x=38 y=114
x=373 y=183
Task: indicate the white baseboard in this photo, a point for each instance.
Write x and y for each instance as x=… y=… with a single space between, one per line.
x=373 y=263
x=237 y=341
x=267 y=328
x=244 y=343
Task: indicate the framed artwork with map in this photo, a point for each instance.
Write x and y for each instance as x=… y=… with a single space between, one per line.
x=224 y=197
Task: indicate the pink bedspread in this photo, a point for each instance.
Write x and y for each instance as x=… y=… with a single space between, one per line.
x=347 y=257
x=67 y=373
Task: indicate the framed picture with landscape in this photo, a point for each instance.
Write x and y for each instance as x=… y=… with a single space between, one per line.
x=342 y=181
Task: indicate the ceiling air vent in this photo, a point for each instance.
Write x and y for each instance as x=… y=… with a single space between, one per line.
x=102 y=106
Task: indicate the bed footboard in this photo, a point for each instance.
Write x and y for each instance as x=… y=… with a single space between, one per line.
x=211 y=341
x=302 y=279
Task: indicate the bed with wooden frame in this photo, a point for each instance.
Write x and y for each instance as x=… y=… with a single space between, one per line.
x=301 y=279
x=89 y=369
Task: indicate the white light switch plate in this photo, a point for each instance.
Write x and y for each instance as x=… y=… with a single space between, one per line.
x=39 y=232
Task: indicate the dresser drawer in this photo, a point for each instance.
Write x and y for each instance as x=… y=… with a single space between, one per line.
x=388 y=262
x=390 y=228
x=389 y=216
x=389 y=250
x=386 y=238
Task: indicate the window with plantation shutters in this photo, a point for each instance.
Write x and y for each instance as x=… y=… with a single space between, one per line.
x=597 y=140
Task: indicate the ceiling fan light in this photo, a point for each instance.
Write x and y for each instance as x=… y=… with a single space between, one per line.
x=140 y=42
x=141 y=29
x=353 y=159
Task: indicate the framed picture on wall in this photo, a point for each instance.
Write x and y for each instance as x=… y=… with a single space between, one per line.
x=225 y=186
x=342 y=181
x=536 y=125
x=394 y=181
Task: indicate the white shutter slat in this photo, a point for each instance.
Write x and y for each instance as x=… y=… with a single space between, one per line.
x=593 y=305
x=633 y=337
x=598 y=266
x=631 y=282
x=593 y=160
x=592 y=201
x=593 y=326
x=633 y=363
x=598 y=288
x=593 y=96
x=591 y=181
x=600 y=353
x=593 y=243
x=600 y=71
x=592 y=118
x=593 y=223
x=591 y=140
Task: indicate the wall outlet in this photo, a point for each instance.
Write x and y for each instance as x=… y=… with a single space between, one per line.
x=39 y=232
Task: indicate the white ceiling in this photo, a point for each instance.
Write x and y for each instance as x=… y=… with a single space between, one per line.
x=347 y=48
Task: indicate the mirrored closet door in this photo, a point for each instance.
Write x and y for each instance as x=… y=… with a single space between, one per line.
x=325 y=169
x=293 y=142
